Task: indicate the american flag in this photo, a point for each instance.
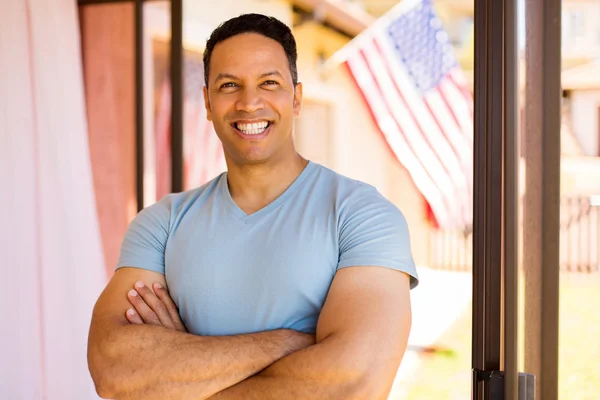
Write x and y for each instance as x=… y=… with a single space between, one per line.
x=203 y=157
x=404 y=66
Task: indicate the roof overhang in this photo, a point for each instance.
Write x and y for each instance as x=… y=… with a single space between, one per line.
x=345 y=17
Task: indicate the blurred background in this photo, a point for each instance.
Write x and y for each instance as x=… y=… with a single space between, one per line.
x=79 y=157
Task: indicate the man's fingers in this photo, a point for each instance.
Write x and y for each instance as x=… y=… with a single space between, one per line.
x=165 y=297
x=155 y=304
x=133 y=317
x=144 y=311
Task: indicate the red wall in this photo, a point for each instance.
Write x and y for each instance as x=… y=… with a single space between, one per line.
x=107 y=41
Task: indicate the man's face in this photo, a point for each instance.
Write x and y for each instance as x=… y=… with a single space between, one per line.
x=251 y=99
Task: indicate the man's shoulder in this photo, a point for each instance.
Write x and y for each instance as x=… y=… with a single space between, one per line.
x=176 y=201
x=341 y=183
x=346 y=189
x=174 y=206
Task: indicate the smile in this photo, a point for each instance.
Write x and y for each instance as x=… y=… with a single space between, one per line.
x=253 y=129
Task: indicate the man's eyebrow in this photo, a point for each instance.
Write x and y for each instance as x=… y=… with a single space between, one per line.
x=225 y=76
x=231 y=76
x=271 y=73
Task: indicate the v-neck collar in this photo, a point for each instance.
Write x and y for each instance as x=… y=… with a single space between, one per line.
x=250 y=218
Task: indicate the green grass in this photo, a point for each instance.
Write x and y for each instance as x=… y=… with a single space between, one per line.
x=579 y=340
x=446 y=374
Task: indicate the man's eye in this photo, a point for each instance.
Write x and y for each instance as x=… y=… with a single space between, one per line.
x=270 y=83
x=228 y=84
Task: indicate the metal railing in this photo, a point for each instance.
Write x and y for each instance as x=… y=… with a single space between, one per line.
x=450 y=250
x=579 y=240
x=580 y=234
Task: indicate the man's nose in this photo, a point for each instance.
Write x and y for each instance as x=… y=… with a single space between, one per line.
x=249 y=101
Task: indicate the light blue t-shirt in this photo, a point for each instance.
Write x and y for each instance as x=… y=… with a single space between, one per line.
x=232 y=273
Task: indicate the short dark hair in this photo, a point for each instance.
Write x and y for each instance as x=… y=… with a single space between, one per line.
x=264 y=25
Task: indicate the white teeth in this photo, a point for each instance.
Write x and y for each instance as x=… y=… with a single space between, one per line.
x=255 y=128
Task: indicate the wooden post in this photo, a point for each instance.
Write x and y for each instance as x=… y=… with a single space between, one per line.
x=541 y=205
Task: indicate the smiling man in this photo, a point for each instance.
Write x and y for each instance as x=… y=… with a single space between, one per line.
x=279 y=279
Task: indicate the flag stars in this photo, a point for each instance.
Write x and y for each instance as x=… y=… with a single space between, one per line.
x=422 y=45
x=441 y=36
x=435 y=23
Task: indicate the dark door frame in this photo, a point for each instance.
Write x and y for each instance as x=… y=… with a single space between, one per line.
x=495 y=307
x=496 y=198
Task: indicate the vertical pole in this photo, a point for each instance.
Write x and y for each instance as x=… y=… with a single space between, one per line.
x=541 y=210
x=176 y=96
x=581 y=235
x=551 y=195
x=511 y=199
x=139 y=102
x=495 y=230
x=598 y=124
x=569 y=233
x=479 y=203
x=488 y=188
x=590 y=235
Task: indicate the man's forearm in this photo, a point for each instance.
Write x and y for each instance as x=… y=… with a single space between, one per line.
x=145 y=361
x=322 y=371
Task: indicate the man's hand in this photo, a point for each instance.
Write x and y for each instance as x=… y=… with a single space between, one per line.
x=153 y=307
x=138 y=358
x=158 y=308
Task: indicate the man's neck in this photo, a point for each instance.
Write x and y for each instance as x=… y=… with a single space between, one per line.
x=253 y=187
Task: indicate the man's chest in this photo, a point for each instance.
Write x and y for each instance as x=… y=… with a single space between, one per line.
x=235 y=278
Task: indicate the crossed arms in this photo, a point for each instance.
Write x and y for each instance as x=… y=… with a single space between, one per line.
x=361 y=338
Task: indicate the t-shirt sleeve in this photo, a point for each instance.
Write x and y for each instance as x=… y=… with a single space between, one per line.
x=374 y=232
x=145 y=240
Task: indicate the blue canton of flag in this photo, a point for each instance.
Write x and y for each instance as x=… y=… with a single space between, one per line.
x=423 y=46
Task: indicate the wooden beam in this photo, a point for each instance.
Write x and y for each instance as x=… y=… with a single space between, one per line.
x=541 y=205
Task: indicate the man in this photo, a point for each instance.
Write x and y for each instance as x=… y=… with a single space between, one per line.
x=285 y=280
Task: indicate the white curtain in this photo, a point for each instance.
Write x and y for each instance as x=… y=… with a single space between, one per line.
x=51 y=262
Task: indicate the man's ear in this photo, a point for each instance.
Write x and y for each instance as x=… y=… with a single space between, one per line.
x=297 y=99
x=207 y=104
